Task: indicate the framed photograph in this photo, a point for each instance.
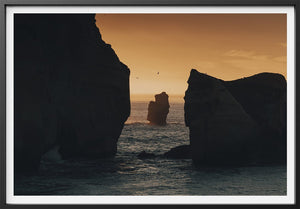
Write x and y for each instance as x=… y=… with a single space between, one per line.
x=148 y=103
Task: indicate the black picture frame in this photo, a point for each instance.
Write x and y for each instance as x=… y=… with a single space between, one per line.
x=6 y=3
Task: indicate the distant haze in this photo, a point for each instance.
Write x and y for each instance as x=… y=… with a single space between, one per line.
x=173 y=98
x=161 y=49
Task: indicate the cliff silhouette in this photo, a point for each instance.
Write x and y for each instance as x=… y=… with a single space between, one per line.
x=236 y=122
x=158 y=110
x=70 y=89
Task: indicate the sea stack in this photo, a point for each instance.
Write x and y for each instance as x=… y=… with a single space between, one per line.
x=159 y=109
x=71 y=89
x=236 y=122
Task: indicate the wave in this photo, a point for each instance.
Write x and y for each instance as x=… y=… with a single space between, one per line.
x=136 y=123
x=147 y=123
x=176 y=123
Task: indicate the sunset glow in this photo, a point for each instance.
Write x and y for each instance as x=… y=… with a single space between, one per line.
x=161 y=49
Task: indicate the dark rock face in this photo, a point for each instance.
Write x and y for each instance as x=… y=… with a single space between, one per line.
x=180 y=152
x=158 y=110
x=145 y=155
x=70 y=89
x=263 y=97
x=236 y=122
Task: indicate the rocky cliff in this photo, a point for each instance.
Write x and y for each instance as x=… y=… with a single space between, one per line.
x=236 y=122
x=158 y=110
x=69 y=87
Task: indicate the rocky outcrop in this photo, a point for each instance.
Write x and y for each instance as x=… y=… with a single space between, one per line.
x=263 y=97
x=236 y=122
x=145 y=155
x=158 y=110
x=179 y=152
x=70 y=89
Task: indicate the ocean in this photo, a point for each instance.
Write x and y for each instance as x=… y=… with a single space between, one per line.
x=126 y=174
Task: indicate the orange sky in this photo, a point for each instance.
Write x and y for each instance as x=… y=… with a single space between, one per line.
x=227 y=46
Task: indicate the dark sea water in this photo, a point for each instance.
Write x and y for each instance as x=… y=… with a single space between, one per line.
x=126 y=174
